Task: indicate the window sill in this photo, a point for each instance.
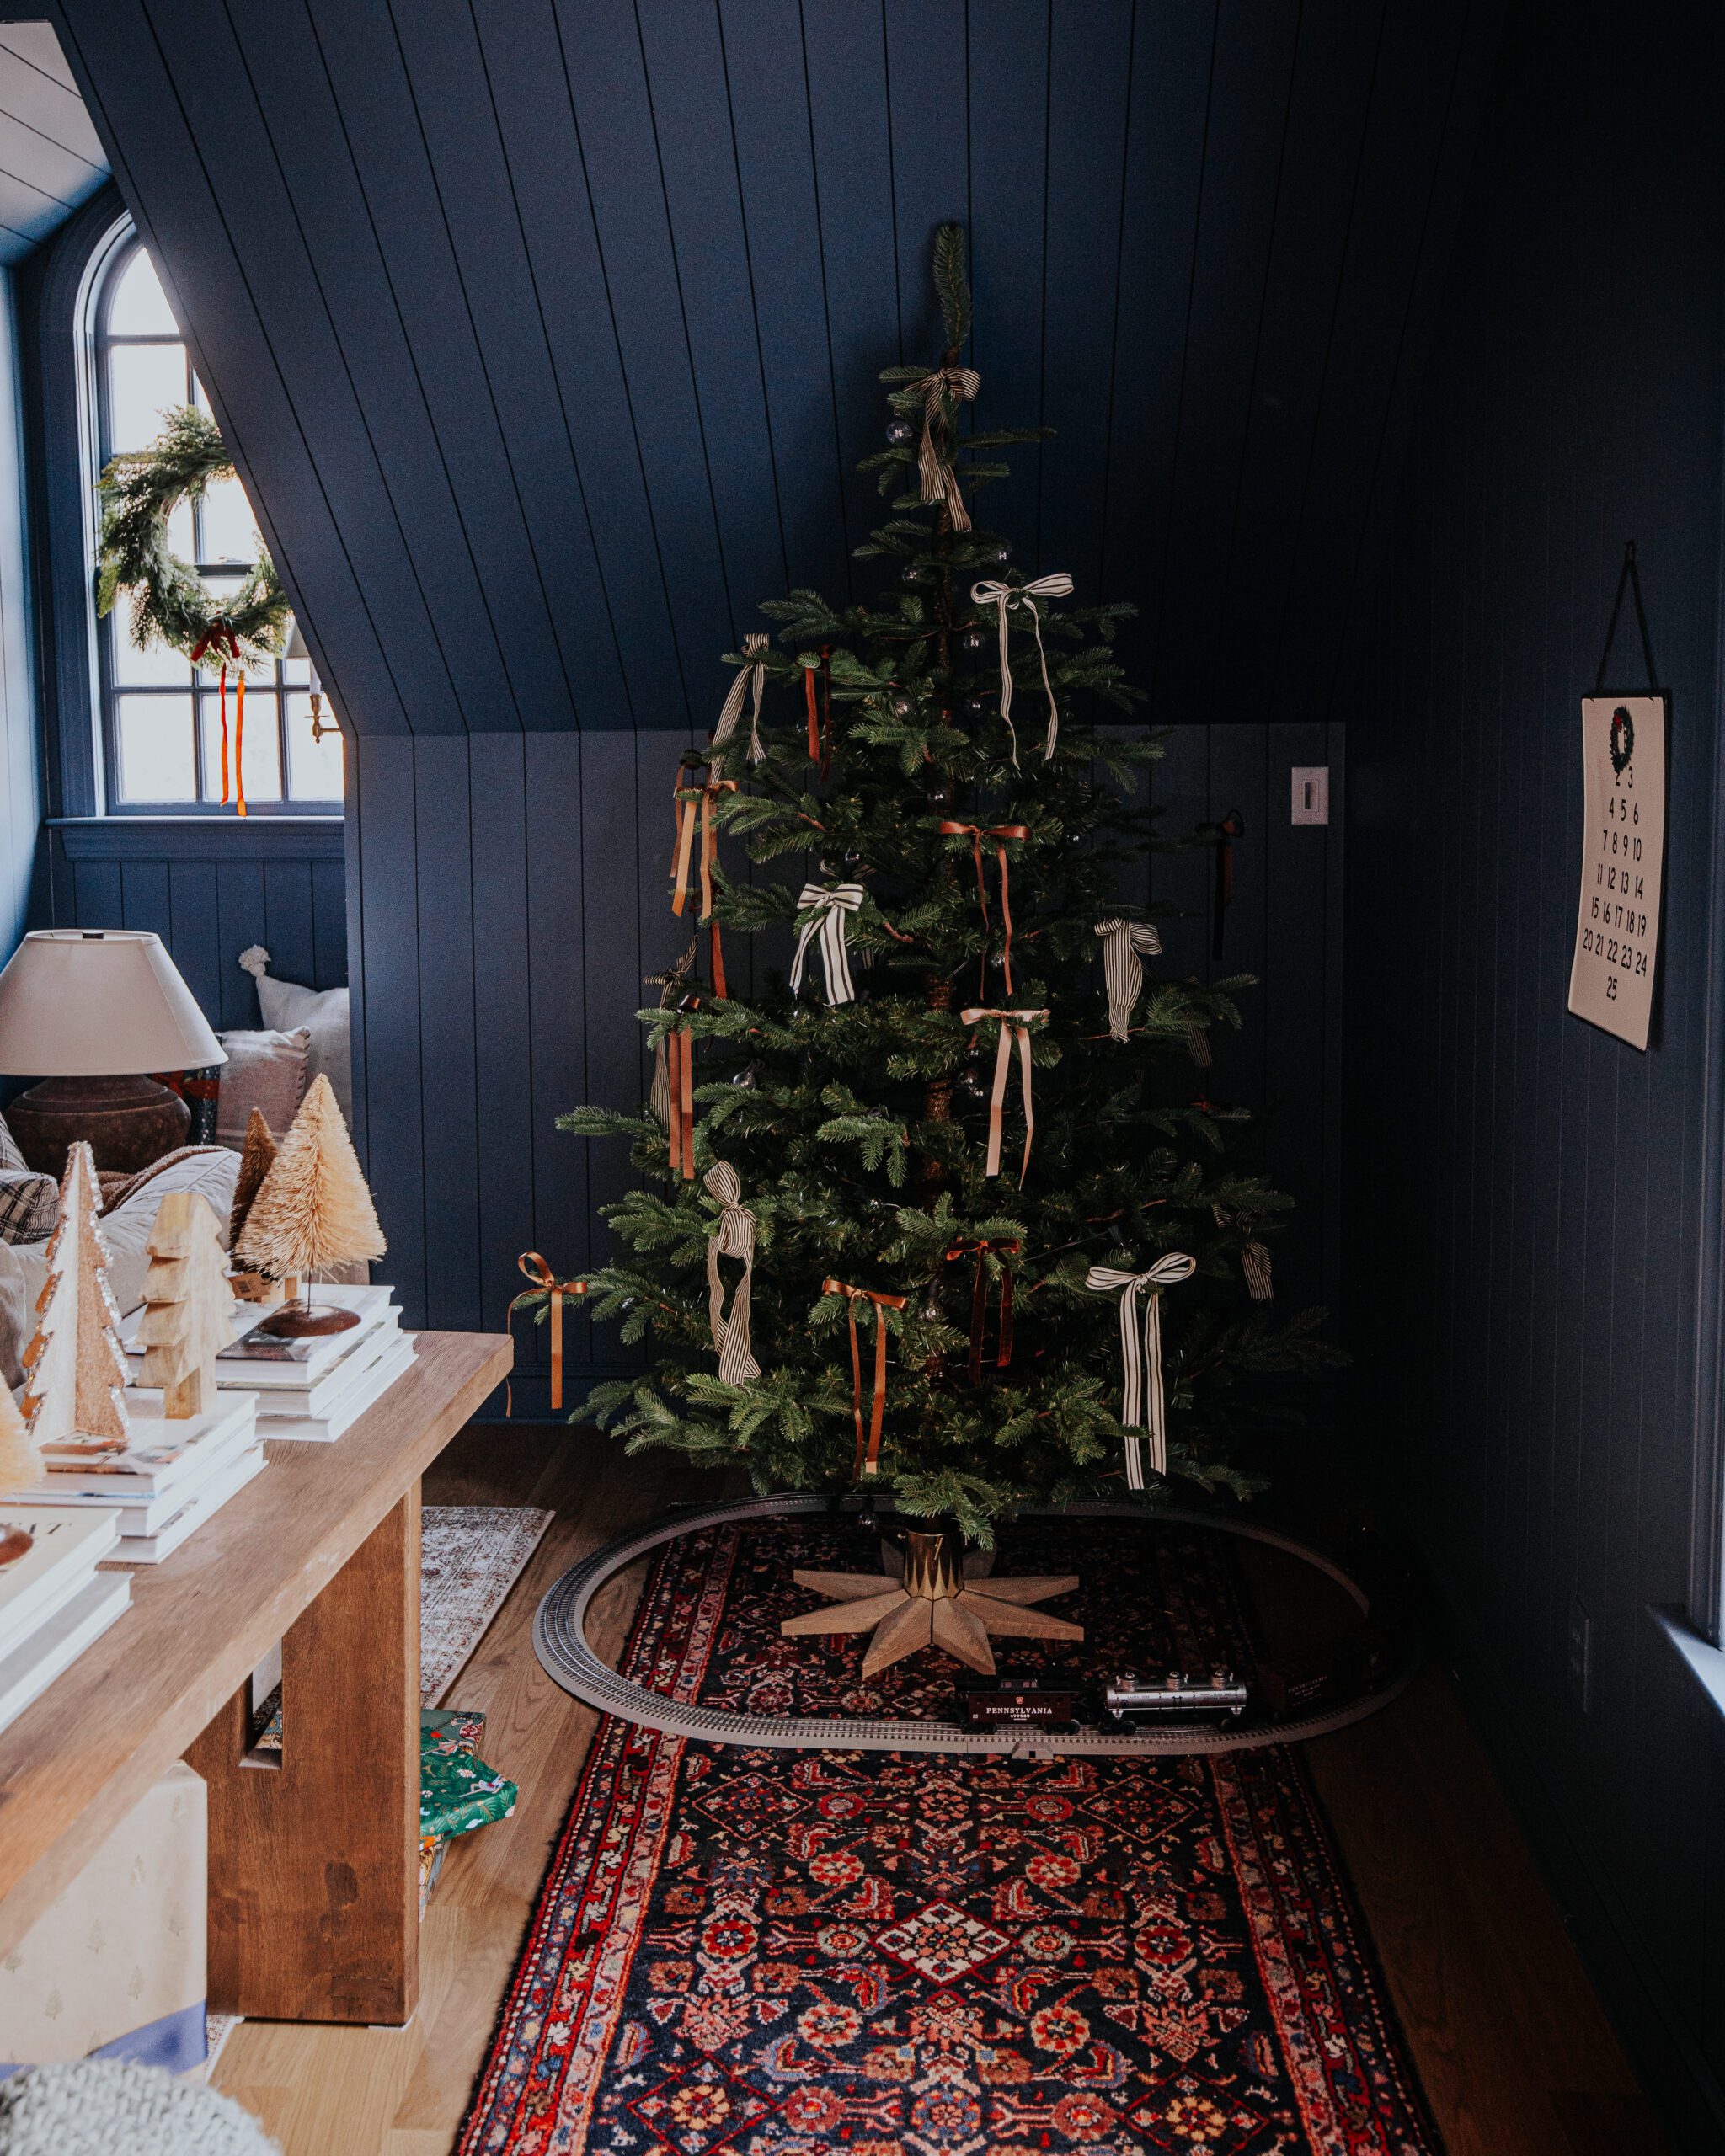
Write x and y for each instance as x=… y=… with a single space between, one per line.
x=200 y=838
x=1704 y=1661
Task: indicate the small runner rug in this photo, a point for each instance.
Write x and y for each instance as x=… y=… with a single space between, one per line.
x=771 y=1953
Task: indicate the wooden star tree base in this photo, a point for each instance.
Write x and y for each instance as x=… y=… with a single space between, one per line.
x=932 y=1605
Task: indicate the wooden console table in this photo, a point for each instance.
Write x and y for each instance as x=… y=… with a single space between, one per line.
x=314 y=1902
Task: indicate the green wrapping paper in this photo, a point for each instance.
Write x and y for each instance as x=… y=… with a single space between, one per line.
x=458 y=1792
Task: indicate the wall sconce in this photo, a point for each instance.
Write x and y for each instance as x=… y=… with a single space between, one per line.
x=297 y=647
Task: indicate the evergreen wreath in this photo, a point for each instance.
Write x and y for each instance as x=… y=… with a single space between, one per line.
x=139 y=492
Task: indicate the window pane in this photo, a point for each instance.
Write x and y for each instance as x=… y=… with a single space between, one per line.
x=263 y=745
x=314 y=768
x=140 y=307
x=155 y=749
x=143 y=380
x=180 y=540
x=158 y=666
x=230 y=528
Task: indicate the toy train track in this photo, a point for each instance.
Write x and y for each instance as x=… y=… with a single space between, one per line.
x=560 y=1641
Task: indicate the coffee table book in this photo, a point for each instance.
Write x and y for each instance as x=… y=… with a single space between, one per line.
x=67 y=1545
x=161 y=1456
x=279 y=1415
x=150 y=1546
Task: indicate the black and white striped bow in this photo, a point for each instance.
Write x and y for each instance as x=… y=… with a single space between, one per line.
x=1004 y=598
x=1122 y=967
x=752 y=676
x=1142 y=1405
x=733 y=1237
x=940 y=482
x=829 y=908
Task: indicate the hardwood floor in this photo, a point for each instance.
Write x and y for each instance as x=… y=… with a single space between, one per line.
x=1516 y=2056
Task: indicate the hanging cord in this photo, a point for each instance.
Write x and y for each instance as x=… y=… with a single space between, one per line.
x=1629 y=578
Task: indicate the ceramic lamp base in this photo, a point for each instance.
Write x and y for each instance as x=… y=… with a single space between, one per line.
x=300 y=1320
x=129 y=1121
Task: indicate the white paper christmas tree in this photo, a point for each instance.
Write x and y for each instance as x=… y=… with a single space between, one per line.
x=74 y=1396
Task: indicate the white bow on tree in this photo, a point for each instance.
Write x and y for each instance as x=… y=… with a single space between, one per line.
x=733 y=1237
x=1142 y=1404
x=829 y=908
x=748 y=676
x=1007 y=598
x=1122 y=969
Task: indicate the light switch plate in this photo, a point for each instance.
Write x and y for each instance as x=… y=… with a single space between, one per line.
x=1311 y=793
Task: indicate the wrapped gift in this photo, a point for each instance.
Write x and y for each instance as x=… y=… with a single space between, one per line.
x=447 y=1730
x=116 y=1969
x=447 y=1734
x=459 y=1792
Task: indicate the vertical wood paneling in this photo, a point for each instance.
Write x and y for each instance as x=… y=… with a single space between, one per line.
x=19 y=779
x=1525 y=1252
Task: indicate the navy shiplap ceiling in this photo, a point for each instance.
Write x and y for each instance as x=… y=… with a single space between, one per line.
x=51 y=157
x=546 y=335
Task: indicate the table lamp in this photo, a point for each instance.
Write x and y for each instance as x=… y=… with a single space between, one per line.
x=89 y=1010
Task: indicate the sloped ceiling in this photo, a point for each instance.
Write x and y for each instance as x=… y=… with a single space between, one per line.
x=546 y=334
x=51 y=158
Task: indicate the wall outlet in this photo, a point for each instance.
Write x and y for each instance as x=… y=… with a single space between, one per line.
x=1581 y=1655
x=1311 y=793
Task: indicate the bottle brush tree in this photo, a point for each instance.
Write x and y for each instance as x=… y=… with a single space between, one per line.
x=918 y=1217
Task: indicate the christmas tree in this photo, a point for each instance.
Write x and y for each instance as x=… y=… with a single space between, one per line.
x=955 y=1154
x=188 y=1304
x=75 y=1367
x=312 y=1211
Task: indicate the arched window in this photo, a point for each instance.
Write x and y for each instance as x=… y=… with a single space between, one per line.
x=160 y=718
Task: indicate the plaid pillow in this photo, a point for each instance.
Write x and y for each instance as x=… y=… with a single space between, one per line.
x=10 y=1157
x=28 y=1203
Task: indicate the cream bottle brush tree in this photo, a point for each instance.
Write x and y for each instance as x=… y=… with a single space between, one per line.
x=188 y=1304
x=74 y=1398
x=312 y=1211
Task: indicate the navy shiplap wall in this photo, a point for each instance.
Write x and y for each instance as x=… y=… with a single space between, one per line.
x=1532 y=1200
x=546 y=336
x=20 y=777
x=519 y=896
x=209 y=889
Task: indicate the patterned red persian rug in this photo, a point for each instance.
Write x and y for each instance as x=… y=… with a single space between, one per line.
x=790 y=1954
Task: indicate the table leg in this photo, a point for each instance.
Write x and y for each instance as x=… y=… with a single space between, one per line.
x=314 y=1888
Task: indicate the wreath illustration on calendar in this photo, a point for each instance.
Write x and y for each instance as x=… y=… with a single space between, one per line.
x=139 y=492
x=1622 y=739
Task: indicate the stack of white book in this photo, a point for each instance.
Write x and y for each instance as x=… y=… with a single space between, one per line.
x=168 y=1481
x=312 y=1389
x=53 y=1602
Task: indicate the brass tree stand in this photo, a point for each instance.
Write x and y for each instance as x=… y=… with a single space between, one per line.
x=932 y=1604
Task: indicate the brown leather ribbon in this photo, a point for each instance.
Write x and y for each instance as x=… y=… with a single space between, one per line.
x=1000 y=833
x=688 y=800
x=867 y=1459
x=979 y=1302
x=679 y=1045
x=1011 y=1022
x=545 y=1282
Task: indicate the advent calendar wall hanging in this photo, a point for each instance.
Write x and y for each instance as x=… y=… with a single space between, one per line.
x=1623 y=842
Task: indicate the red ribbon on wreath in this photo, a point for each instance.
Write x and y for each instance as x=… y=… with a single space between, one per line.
x=220 y=633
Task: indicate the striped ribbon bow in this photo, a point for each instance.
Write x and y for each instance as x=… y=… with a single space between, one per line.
x=750 y=676
x=733 y=1237
x=1122 y=967
x=829 y=908
x=1000 y=833
x=1011 y=1022
x=868 y=1460
x=1005 y=598
x=545 y=1282
x=1142 y=1405
x=940 y=482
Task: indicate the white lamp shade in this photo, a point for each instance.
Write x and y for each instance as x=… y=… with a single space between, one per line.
x=98 y=1003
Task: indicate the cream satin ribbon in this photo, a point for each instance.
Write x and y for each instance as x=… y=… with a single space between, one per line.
x=730 y=715
x=940 y=482
x=1004 y=597
x=1011 y=1022
x=828 y=909
x=1142 y=1404
x=733 y=1237
x=1122 y=969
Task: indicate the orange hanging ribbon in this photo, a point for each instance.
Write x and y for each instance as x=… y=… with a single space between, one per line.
x=684 y=800
x=979 y=1303
x=680 y=1063
x=1011 y=1022
x=868 y=1460
x=545 y=1283
x=220 y=633
x=813 y=714
x=819 y=712
x=239 y=745
x=1000 y=833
